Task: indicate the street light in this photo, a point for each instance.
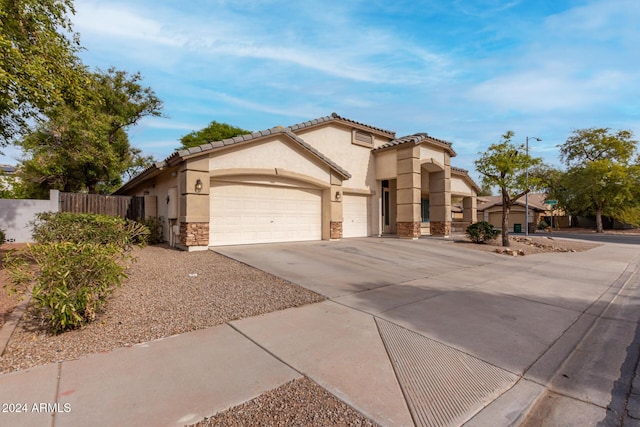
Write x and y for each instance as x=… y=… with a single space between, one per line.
x=526 y=196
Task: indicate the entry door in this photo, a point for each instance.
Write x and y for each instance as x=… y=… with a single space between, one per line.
x=386 y=211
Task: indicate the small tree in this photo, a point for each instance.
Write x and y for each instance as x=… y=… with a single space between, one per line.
x=86 y=147
x=504 y=165
x=213 y=132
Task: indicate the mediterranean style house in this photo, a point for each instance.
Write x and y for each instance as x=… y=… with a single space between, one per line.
x=328 y=178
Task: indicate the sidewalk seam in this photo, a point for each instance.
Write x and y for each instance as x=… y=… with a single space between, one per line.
x=298 y=371
x=263 y=348
x=57 y=395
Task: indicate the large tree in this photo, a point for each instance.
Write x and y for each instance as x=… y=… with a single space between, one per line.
x=601 y=177
x=503 y=165
x=39 y=67
x=213 y=132
x=85 y=147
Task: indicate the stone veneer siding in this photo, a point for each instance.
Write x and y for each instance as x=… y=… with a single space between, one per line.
x=440 y=228
x=409 y=230
x=336 y=230
x=194 y=233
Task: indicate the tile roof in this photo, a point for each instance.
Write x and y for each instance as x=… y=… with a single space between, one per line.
x=417 y=138
x=336 y=117
x=8 y=169
x=536 y=201
x=256 y=135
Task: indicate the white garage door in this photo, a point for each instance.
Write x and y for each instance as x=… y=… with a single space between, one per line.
x=355 y=213
x=253 y=213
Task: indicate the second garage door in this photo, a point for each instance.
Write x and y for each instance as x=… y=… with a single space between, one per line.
x=256 y=213
x=355 y=212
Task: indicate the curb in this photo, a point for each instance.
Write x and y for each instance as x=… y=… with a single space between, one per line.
x=10 y=325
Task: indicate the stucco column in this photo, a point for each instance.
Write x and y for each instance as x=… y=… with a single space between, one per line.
x=408 y=199
x=469 y=212
x=440 y=200
x=194 y=204
x=332 y=211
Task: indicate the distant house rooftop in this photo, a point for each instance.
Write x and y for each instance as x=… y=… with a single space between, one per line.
x=7 y=169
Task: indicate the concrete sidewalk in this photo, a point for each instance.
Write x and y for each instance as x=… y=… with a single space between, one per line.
x=427 y=334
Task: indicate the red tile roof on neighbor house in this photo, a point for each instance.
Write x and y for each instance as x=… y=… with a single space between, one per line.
x=536 y=202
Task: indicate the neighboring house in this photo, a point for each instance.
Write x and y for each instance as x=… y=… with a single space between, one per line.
x=327 y=178
x=7 y=169
x=490 y=210
x=6 y=172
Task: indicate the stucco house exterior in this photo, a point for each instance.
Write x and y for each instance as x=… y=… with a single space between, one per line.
x=327 y=178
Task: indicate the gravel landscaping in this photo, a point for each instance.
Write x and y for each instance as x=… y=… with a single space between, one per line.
x=300 y=402
x=521 y=245
x=168 y=292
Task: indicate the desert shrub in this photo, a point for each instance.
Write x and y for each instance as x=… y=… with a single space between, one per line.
x=542 y=225
x=481 y=232
x=71 y=280
x=154 y=224
x=78 y=228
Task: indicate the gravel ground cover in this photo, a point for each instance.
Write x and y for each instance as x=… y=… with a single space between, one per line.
x=7 y=303
x=299 y=402
x=530 y=245
x=168 y=292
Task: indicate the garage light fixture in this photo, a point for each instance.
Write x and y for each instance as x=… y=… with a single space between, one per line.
x=338 y=195
x=198 y=186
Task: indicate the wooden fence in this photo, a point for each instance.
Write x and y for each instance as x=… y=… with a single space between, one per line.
x=130 y=207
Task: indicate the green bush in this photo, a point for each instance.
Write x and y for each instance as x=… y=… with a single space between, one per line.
x=481 y=232
x=3 y=237
x=154 y=224
x=543 y=225
x=100 y=229
x=72 y=280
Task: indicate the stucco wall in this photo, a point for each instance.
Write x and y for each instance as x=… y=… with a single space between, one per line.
x=16 y=214
x=335 y=143
x=427 y=152
x=386 y=165
x=460 y=187
x=271 y=154
x=161 y=189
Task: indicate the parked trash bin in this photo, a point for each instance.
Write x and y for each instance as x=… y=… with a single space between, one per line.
x=517 y=228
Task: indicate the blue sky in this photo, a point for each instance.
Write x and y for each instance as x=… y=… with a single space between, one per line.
x=462 y=70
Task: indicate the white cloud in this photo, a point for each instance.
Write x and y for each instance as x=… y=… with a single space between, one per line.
x=120 y=21
x=346 y=50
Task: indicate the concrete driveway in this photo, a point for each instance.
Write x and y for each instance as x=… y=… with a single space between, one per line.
x=455 y=322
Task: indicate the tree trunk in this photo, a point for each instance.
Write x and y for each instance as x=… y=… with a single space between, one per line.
x=505 y=218
x=599 y=227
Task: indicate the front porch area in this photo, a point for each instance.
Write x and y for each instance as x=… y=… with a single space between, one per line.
x=417 y=185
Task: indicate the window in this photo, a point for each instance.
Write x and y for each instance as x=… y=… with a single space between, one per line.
x=425 y=210
x=362 y=138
